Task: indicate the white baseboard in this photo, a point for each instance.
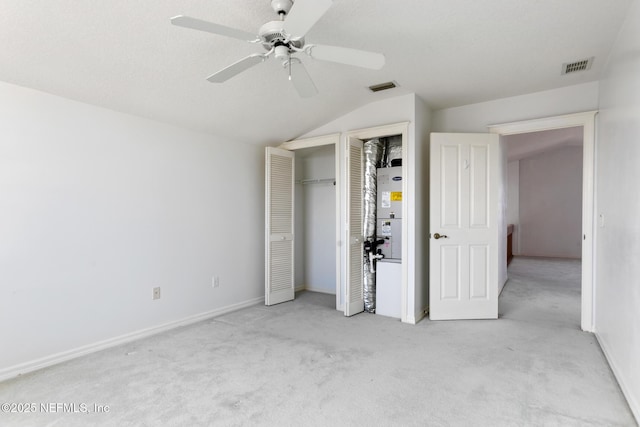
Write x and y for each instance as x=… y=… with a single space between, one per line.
x=422 y=314
x=33 y=365
x=413 y=319
x=320 y=290
x=632 y=400
x=311 y=288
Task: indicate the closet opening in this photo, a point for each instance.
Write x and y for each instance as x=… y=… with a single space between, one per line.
x=315 y=220
x=314 y=236
x=382 y=225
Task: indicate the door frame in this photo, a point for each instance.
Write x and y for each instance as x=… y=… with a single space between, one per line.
x=587 y=120
x=331 y=139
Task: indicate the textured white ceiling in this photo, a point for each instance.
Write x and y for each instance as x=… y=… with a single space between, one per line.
x=124 y=55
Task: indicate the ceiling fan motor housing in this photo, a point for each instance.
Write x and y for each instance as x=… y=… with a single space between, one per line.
x=272 y=34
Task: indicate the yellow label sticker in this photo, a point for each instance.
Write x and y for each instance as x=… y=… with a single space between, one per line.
x=396 y=196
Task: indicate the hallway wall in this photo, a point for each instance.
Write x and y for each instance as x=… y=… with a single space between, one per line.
x=550 y=199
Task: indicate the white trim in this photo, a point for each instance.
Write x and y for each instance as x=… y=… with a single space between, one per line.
x=311 y=288
x=318 y=290
x=318 y=141
x=379 y=131
x=401 y=128
x=545 y=123
x=588 y=123
x=421 y=315
x=54 y=359
x=338 y=231
x=634 y=405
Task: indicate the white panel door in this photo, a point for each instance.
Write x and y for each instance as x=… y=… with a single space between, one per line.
x=279 y=204
x=354 y=301
x=463 y=265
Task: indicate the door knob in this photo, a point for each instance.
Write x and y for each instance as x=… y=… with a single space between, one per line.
x=440 y=236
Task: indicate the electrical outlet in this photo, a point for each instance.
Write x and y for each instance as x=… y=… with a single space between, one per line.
x=156 y=293
x=215 y=282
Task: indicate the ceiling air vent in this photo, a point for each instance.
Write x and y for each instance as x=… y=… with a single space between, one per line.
x=572 y=67
x=382 y=86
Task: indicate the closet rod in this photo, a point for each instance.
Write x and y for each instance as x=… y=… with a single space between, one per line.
x=318 y=181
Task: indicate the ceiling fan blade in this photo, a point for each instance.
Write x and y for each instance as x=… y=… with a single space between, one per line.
x=210 y=27
x=236 y=68
x=301 y=79
x=303 y=15
x=345 y=55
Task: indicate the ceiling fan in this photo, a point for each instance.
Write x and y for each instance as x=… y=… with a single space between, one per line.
x=284 y=39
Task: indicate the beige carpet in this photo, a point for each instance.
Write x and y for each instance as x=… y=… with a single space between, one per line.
x=304 y=364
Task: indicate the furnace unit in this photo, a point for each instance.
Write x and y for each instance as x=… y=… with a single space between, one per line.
x=389 y=212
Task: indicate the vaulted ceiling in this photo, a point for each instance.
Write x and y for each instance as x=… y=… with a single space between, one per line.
x=125 y=56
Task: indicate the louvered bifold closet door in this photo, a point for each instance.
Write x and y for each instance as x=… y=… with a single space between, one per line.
x=279 y=203
x=355 y=298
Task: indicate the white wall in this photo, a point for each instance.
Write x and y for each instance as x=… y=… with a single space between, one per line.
x=99 y=207
x=617 y=297
x=476 y=117
x=551 y=203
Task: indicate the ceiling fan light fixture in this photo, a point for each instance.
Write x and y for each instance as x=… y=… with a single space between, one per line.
x=282 y=52
x=383 y=86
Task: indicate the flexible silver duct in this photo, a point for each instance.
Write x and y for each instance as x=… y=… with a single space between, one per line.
x=372 y=156
x=393 y=151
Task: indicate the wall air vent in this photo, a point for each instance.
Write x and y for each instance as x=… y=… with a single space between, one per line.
x=572 y=67
x=382 y=86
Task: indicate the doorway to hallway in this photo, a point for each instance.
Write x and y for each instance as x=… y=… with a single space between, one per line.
x=544 y=209
x=544 y=291
x=587 y=121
